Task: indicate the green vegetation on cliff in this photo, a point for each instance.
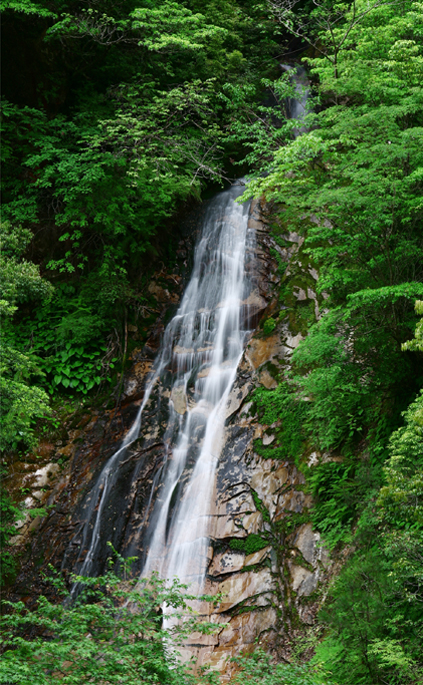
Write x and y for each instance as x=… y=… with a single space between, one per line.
x=352 y=187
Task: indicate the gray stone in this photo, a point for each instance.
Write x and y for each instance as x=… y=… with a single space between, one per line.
x=242 y=586
x=305 y=541
x=256 y=557
x=179 y=400
x=304 y=582
x=228 y=562
x=236 y=398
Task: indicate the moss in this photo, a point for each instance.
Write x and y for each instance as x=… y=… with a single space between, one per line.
x=252 y=543
x=290 y=522
x=247 y=609
x=273 y=370
x=269 y=326
x=260 y=506
x=298 y=560
x=280 y=405
x=270 y=451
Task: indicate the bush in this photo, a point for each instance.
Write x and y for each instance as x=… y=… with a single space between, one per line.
x=260 y=669
x=111 y=633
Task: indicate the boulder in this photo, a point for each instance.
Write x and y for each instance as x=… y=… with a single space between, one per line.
x=242 y=586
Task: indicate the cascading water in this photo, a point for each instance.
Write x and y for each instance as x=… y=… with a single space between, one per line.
x=201 y=350
x=297 y=106
x=204 y=343
x=200 y=353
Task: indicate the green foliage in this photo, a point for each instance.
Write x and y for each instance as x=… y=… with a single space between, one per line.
x=269 y=326
x=252 y=543
x=335 y=498
x=118 y=178
x=147 y=137
x=375 y=634
x=112 y=633
x=260 y=506
x=330 y=375
x=20 y=281
x=417 y=343
x=9 y=515
x=280 y=405
x=21 y=403
x=68 y=338
x=401 y=496
x=357 y=172
x=375 y=609
x=254 y=126
x=259 y=669
x=25 y=7
x=401 y=504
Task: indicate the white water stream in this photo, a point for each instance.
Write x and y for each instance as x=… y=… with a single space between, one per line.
x=203 y=345
x=205 y=340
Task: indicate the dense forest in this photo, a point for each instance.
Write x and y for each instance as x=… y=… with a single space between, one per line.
x=118 y=118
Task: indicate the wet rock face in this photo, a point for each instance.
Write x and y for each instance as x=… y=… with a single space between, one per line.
x=264 y=557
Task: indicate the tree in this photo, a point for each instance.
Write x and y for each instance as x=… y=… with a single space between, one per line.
x=21 y=282
x=259 y=668
x=416 y=344
x=324 y=24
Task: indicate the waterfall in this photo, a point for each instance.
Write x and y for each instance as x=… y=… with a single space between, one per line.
x=200 y=353
x=204 y=343
x=297 y=106
x=201 y=350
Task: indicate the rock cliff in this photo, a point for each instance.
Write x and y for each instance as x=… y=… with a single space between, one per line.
x=264 y=557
